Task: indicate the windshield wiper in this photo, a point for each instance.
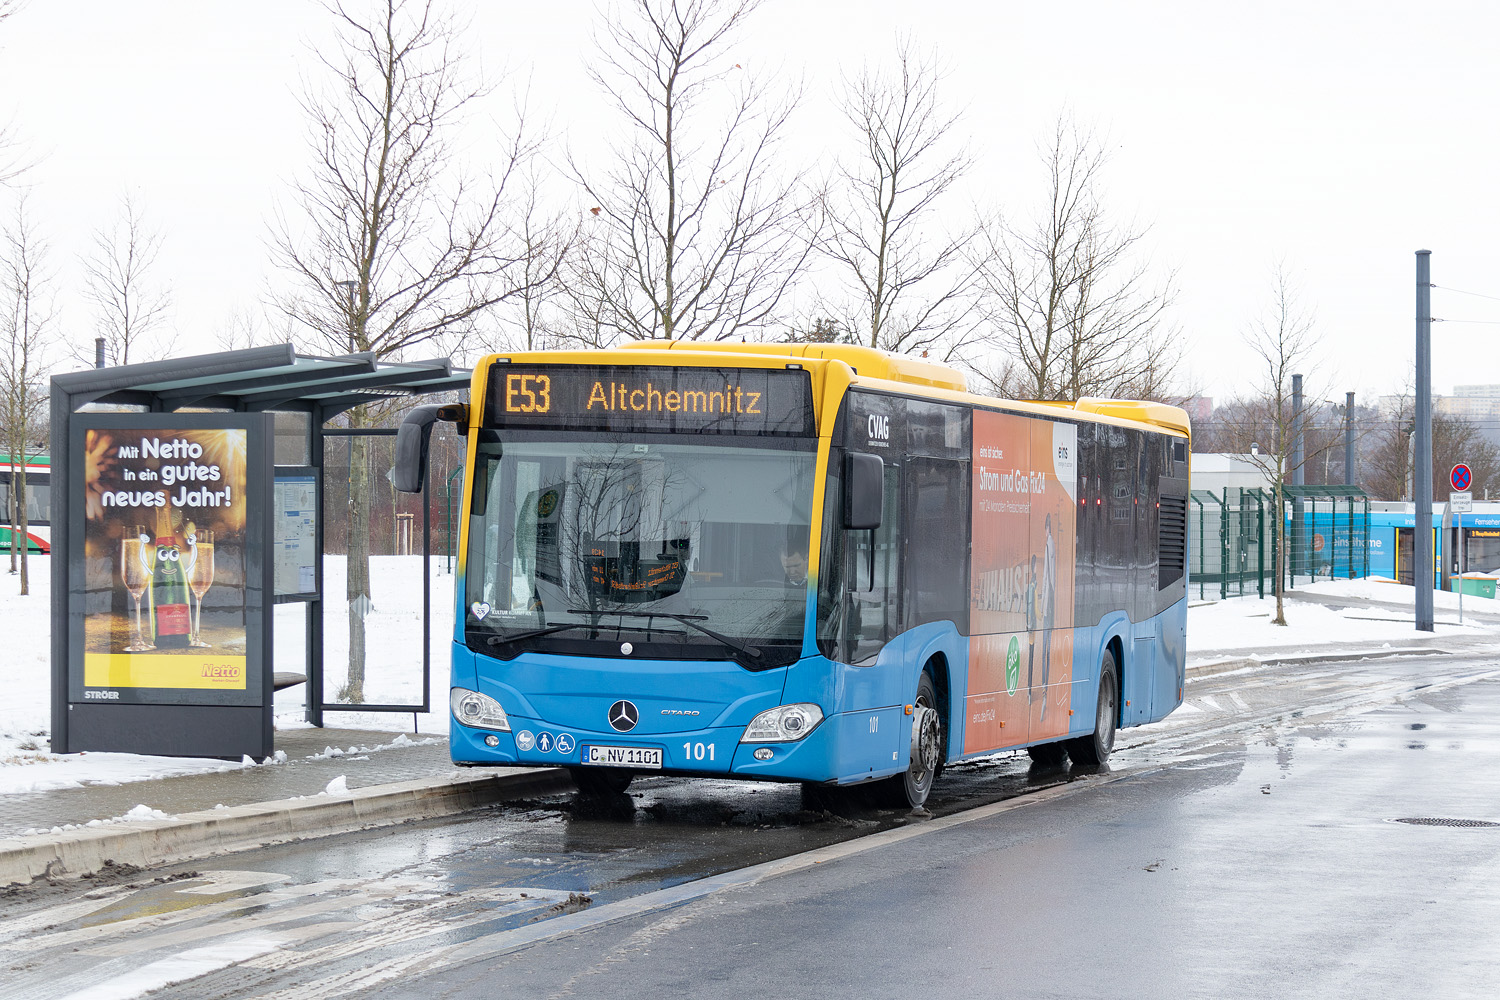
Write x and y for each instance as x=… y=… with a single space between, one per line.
x=691 y=621
x=501 y=640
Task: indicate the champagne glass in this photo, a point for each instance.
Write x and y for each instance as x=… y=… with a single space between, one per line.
x=200 y=575
x=137 y=555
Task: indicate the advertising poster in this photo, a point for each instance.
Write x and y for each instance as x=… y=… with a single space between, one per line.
x=164 y=582
x=1021 y=601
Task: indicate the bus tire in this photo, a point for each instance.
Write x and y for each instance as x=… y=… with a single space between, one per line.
x=1047 y=754
x=909 y=789
x=600 y=782
x=1094 y=748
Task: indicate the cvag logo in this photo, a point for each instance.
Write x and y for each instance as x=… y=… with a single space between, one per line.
x=879 y=426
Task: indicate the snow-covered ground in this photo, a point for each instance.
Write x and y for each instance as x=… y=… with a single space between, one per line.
x=394 y=671
x=1244 y=624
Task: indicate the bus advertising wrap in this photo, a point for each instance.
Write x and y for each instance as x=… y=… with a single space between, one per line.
x=164 y=563
x=1021 y=606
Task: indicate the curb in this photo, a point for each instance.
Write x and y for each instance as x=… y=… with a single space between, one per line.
x=1341 y=656
x=261 y=824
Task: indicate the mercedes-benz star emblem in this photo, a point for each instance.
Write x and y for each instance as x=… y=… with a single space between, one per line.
x=623 y=716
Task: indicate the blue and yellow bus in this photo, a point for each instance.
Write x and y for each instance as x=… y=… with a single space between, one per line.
x=809 y=562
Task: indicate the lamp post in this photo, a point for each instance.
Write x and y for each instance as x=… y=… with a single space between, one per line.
x=349 y=287
x=1422 y=462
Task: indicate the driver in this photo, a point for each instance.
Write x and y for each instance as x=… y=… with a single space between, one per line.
x=794 y=563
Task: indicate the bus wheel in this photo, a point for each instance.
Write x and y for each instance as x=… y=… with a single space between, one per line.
x=1094 y=748
x=599 y=782
x=1047 y=754
x=909 y=790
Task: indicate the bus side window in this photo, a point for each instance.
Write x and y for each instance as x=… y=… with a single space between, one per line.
x=937 y=552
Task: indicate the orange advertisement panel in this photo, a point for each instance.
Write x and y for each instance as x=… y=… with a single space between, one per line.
x=1021 y=587
x=164 y=545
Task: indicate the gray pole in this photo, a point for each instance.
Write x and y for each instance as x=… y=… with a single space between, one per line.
x=1348 y=439
x=1297 y=430
x=1294 y=550
x=1422 y=471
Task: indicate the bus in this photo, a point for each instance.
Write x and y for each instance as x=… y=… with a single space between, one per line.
x=809 y=563
x=38 y=501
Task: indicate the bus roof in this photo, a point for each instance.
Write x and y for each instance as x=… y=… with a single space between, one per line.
x=870 y=365
x=865 y=361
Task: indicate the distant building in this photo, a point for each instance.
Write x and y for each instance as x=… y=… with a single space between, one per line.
x=1477 y=404
x=1215 y=471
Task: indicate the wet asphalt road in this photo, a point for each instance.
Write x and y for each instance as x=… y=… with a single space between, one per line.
x=1247 y=846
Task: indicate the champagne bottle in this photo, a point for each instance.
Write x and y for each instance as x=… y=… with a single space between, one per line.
x=170 y=622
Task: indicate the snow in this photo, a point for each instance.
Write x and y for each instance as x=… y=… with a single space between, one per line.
x=394 y=676
x=138 y=814
x=1243 y=625
x=182 y=967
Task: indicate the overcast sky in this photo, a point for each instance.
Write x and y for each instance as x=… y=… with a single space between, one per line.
x=1341 y=137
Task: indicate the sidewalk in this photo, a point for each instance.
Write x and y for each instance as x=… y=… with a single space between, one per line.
x=306 y=771
x=374 y=778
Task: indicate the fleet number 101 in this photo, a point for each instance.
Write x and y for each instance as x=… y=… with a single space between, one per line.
x=698 y=751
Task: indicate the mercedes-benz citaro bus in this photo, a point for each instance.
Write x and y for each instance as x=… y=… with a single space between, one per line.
x=803 y=562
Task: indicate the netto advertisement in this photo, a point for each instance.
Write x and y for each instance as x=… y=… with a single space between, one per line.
x=1021 y=601
x=164 y=581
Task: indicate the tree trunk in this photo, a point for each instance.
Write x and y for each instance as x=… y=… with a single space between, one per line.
x=357 y=578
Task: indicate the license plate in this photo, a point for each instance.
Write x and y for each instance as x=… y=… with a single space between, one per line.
x=649 y=757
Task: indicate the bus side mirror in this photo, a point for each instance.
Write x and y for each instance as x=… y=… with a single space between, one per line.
x=864 y=491
x=410 y=470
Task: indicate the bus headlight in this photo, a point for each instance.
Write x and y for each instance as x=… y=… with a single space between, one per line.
x=478 y=711
x=784 y=724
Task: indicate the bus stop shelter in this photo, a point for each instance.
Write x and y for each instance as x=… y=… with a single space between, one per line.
x=194 y=502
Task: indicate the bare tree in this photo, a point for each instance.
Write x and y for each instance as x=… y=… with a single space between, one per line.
x=695 y=236
x=241 y=328
x=1073 y=310
x=1283 y=341
x=26 y=335
x=533 y=319
x=911 y=280
x=1389 y=468
x=12 y=162
x=393 y=245
x=131 y=308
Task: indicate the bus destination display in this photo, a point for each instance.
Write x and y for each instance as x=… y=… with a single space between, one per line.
x=617 y=398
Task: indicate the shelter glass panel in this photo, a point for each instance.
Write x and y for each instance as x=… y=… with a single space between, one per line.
x=372 y=577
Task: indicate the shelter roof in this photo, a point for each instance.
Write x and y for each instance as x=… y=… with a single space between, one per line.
x=260 y=378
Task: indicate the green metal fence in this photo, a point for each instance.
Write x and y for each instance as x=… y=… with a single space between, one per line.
x=1327 y=531
x=1231 y=556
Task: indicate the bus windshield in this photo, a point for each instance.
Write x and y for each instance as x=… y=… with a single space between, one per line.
x=682 y=549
